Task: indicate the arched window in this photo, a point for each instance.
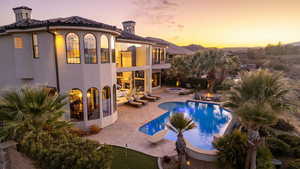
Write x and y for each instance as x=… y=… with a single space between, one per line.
x=113 y=51
x=76 y=105
x=106 y=101
x=115 y=98
x=90 y=53
x=93 y=108
x=72 y=46
x=104 y=49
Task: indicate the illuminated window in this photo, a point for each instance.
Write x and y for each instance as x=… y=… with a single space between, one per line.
x=35 y=46
x=115 y=97
x=18 y=42
x=113 y=51
x=76 y=105
x=106 y=101
x=73 y=52
x=104 y=49
x=90 y=54
x=156 y=77
x=93 y=107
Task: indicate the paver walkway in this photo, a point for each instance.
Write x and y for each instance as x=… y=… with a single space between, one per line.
x=125 y=129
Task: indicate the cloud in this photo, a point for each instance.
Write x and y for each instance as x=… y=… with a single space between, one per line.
x=159 y=12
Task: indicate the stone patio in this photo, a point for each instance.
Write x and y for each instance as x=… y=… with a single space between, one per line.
x=125 y=129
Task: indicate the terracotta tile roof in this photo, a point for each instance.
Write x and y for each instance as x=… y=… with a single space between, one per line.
x=69 y=21
x=130 y=36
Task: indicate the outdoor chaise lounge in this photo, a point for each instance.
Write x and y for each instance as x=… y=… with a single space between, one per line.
x=148 y=94
x=137 y=99
x=149 y=98
x=134 y=103
x=158 y=136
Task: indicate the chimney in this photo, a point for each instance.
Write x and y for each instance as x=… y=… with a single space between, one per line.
x=22 y=13
x=129 y=26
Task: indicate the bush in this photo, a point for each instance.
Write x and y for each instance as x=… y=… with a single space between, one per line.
x=278 y=147
x=264 y=158
x=94 y=129
x=232 y=150
x=283 y=125
x=296 y=152
x=78 y=132
x=166 y=159
x=65 y=151
x=291 y=140
x=293 y=164
x=266 y=132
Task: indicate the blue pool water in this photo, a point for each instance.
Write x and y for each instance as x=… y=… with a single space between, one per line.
x=210 y=119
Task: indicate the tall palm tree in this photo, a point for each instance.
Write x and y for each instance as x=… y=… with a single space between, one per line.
x=216 y=64
x=179 y=124
x=28 y=110
x=257 y=99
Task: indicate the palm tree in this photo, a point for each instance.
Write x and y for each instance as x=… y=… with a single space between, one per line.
x=257 y=99
x=216 y=64
x=27 y=111
x=179 y=124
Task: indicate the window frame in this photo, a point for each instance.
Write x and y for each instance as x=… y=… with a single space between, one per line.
x=95 y=48
x=67 y=48
x=82 y=103
x=87 y=103
x=107 y=49
x=109 y=113
x=35 y=48
x=16 y=44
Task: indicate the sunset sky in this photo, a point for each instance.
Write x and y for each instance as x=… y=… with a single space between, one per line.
x=212 y=23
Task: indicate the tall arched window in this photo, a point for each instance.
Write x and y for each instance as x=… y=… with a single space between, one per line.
x=115 y=98
x=76 y=105
x=106 y=101
x=72 y=46
x=104 y=49
x=90 y=53
x=93 y=108
x=113 y=51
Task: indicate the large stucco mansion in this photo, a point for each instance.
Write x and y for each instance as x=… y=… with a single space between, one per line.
x=95 y=64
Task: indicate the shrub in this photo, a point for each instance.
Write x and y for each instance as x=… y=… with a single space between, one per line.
x=291 y=140
x=94 y=129
x=278 y=147
x=283 y=125
x=295 y=164
x=266 y=132
x=65 y=151
x=232 y=150
x=166 y=159
x=264 y=158
x=79 y=132
x=296 y=152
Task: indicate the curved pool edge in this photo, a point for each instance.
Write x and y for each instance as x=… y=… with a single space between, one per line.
x=208 y=155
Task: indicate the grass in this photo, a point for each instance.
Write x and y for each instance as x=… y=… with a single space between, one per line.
x=132 y=159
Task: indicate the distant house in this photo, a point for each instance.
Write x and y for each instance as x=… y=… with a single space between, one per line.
x=96 y=64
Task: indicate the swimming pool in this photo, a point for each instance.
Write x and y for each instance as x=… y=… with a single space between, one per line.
x=210 y=119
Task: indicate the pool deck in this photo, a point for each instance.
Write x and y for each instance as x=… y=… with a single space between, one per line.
x=125 y=129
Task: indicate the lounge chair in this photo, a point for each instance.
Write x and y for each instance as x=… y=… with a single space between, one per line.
x=134 y=103
x=158 y=136
x=137 y=99
x=157 y=97
x=146 y=97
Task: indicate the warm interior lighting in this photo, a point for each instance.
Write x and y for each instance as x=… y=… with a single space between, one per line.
x=188 y=163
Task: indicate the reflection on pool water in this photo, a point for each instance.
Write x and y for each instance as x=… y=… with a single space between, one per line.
x=210 y=119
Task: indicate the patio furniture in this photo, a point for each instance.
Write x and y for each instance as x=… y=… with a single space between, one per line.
x=134 y=103
x=146 y=97
x=159 y=136
x=137 y=99
x=157 y=97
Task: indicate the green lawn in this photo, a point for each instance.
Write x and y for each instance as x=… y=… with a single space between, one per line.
x=133 y=159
